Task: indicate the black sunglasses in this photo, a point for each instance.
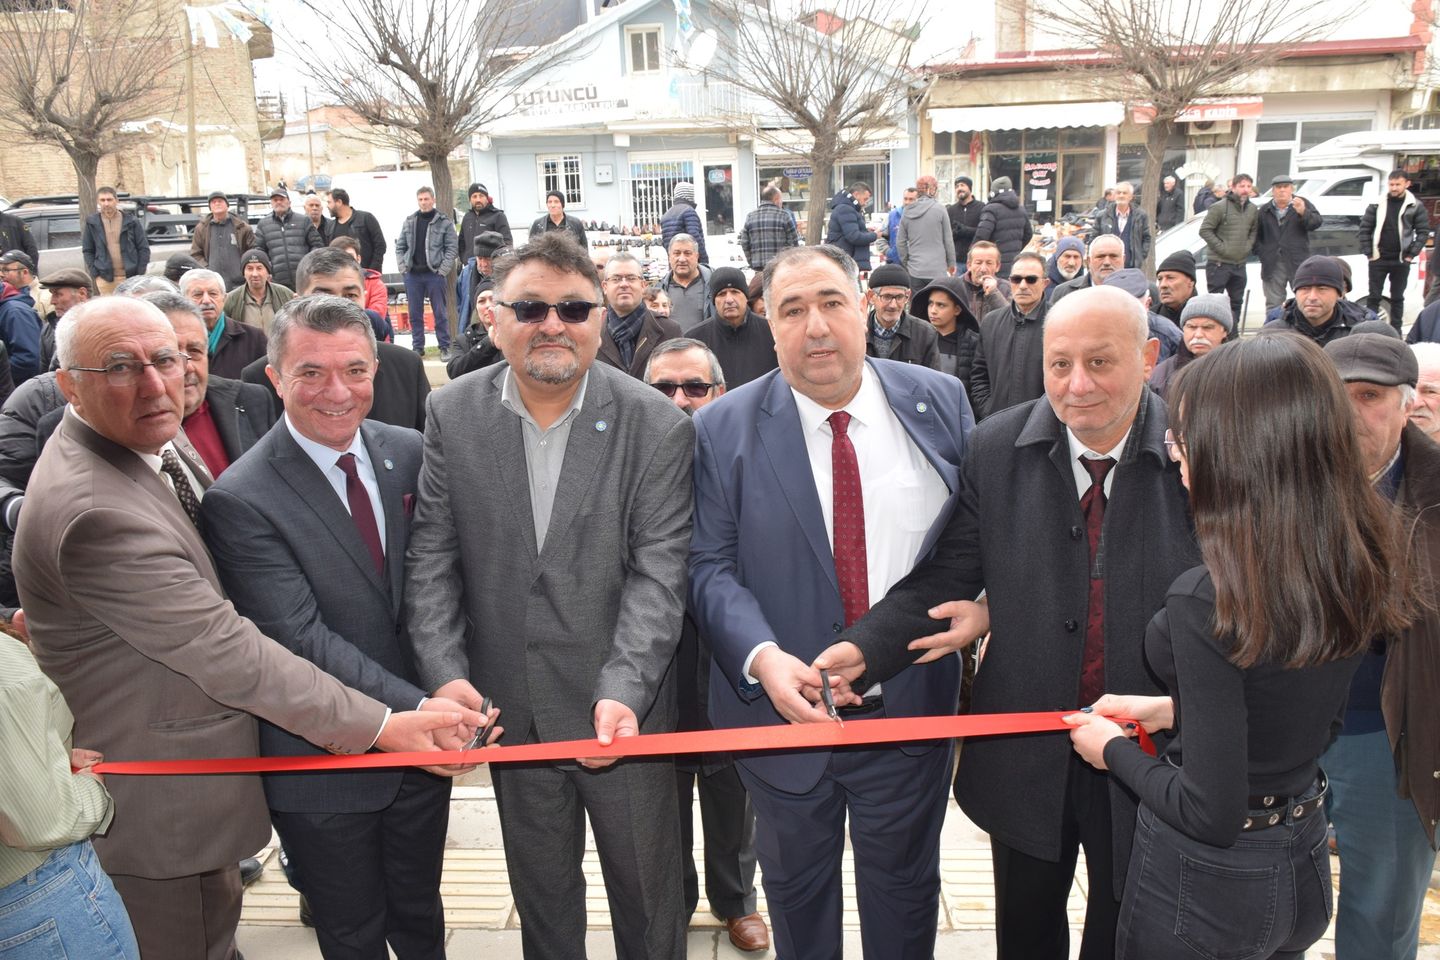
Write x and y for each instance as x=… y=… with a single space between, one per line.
x=1024 y=278
x=694 y=389
x=535 y=311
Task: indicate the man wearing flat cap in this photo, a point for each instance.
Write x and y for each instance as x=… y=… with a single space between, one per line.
x=891 y=331
x=1384 y=790
x=259 y=298
x=1282 y=238
x=19 y=323
x=1319 y=309
x=220 y=238
x=68 y=288
x=740 y=339
x=483 y=250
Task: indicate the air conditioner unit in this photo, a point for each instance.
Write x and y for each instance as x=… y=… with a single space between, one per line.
x=1207 y=127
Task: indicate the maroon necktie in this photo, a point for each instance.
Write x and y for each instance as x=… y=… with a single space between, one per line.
x=1092 y=505
x=361 y=511
x=848 y=524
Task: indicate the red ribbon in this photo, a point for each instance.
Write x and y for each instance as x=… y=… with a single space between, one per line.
x=733 y=740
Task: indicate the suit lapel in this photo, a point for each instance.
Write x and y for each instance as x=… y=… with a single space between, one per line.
x=221 y=397
x=784 y=442
x=392 y=503
x=590 y=433
x=193 y=460
x=295 y=467
x=915 y=409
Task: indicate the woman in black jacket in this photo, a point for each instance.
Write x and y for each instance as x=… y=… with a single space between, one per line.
x=1230 y=856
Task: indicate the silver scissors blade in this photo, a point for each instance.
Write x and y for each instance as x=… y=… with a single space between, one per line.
x=828 y=696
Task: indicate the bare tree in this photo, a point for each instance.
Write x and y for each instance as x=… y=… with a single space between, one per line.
x=1164 y=55
x=77 y=71
x=426 y=75
x=840 y=77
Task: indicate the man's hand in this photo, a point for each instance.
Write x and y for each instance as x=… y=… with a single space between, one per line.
x=462 y=691
x=846 y=663
x=969 y=621
x=1298 y=205
x=612 y=719
x=988 y=285
x=82 y=761
x=415 y=730
x=460 y=736
x=793 y=688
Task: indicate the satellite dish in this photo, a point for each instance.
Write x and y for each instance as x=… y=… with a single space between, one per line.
x=702 y=50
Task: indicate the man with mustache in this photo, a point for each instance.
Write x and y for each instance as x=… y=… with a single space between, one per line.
x=561 y=594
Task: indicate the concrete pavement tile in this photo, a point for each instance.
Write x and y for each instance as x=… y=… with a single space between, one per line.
x=275 y=943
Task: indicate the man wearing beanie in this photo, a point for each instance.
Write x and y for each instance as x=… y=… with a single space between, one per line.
x=682 y=218
x=631 y=332
x=1005 y=223
x=964 y=216
x=483 y=217
x=1204 y=324
x=740 y=339
x=258 y=299
x=482 y=250
x=892 y=333
x=1319 y=309
x=1065 y=264
x=1175 y=278
x=1384 y=794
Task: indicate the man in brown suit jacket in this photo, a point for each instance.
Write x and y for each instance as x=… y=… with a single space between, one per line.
x=127 y=616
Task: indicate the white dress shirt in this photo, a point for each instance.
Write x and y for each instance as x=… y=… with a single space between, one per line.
x=901 y=490
x=328 y=459
x=1082 y=476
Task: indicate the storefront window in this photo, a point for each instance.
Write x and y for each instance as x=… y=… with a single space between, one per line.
x=1055 y=171
x=719 y=198
x=793 y=178
x=1130 y=163
x=1282 y=140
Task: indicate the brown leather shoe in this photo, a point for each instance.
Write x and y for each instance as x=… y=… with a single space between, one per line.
x=749 y=933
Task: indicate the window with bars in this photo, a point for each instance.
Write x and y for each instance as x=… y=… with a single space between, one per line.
x=562 y=172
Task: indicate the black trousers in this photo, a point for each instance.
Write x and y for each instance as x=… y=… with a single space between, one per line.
x=374 y=878
x=1031 y=894
x=1229 y=279
x=728 y=824
x=1398 y=273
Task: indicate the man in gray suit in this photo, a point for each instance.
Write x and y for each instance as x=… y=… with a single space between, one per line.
x=308 y=532
x=547 y=560
x=128 y=618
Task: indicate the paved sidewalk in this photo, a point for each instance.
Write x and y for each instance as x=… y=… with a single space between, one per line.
x=482 y=922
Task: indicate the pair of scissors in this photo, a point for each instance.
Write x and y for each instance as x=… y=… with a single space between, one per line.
x=482 y=736
x=828 y=696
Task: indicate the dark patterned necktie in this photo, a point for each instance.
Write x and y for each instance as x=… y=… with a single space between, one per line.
x=848 y=523
x=170 y=466
x=1092 y=505
x=361 y=511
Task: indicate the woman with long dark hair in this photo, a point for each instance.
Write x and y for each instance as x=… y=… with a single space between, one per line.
x=1303 y=564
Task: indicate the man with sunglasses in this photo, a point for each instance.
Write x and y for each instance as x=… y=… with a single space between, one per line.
x=1007 y=368
x=739 y=337
x=557 y=584
x=631 y=331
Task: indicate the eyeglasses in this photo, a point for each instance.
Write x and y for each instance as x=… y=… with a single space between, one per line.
x=625 y=278
x=1175 y=446
x=124 y=373
x=1025 y=278
x=535 y=311
x=694 y=389
x=892 y=297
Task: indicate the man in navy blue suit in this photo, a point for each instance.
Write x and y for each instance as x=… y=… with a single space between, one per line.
x=817 y=487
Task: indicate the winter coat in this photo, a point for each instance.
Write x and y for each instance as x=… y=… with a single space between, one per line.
x=475 y=223
x=1413 y=224
x=1229 y=229
x=682 y=218
x=1005 y=223
x=276 y=294
x=915 y=341
x=15 y=235
x=957 y=349
x=1138 y=226
x=286 y=240
x=1280 y=243
x=134 y=247
x=1008 y=369
x=892 y=233
x=1166 y=332
x=366 y=230
x=963 y=221
x=1170 y=209
x=1346 y=315
x=1204 y=200
x=1166 y=370
x=240 y=344
x=441 y=244
x=570 y=224
x=847 y=229
x=200 y=242
x=20 y=331
x=926 y=242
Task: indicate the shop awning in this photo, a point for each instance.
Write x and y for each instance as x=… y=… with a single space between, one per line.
x=1028 y=116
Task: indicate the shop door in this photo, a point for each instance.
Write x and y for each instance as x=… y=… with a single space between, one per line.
x=719 y=208
x=1080 y=183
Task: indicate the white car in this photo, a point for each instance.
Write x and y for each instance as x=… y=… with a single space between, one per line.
x=1337 y=236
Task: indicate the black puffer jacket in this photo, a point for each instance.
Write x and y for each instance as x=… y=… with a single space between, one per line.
x=1280 y=241
x=285 y=241
x=1007 y=225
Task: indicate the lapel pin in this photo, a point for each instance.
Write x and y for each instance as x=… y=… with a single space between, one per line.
x=389 y=464
x=601 y=425
x=921 y=407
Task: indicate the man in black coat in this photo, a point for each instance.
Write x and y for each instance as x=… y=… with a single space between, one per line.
x=631 y=332
x=1005 y=222
x=1170 y=208
x=482 y=217
x=1282 y=239
x=891 y=332
x=1069 y=594
x=359 y=224
x=740 y=338
x=1007 y=368
x=964 y=216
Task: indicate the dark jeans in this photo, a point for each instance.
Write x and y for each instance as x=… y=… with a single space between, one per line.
x=1228 y=278
x=419 y=286
x=1268 y=896
x=1398 y=272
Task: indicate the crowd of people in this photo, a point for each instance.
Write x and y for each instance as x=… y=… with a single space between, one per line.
x=237 y=521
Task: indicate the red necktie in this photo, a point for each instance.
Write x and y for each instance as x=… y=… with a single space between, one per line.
x=848 y=524
x=1092 y=505
x=361 y=511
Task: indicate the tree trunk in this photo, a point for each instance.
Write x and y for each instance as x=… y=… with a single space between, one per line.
x=1156 y=137
x=821 y=168
x=87 y=166
x=444 y=185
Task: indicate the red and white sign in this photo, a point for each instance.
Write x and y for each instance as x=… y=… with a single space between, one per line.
x=1207 y=110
